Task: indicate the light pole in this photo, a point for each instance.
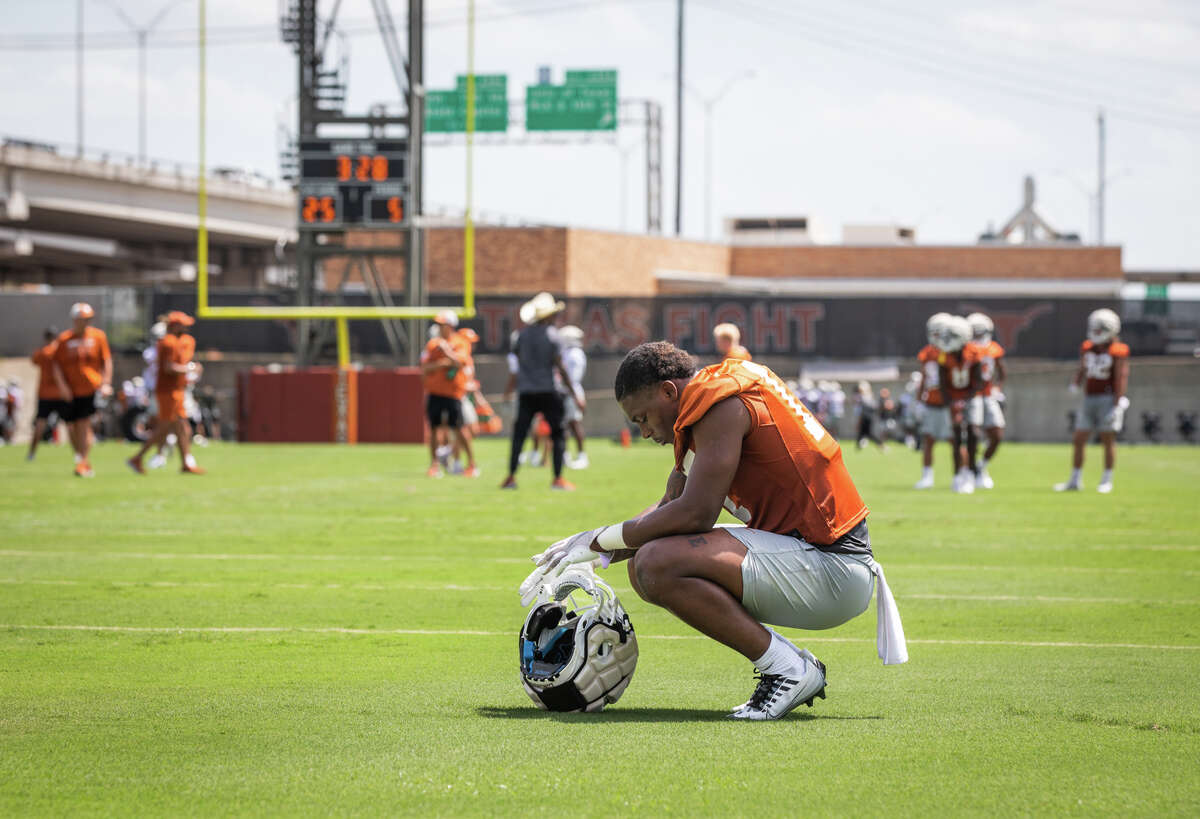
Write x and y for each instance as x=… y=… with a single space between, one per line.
x=143 y=34
x=709 y=103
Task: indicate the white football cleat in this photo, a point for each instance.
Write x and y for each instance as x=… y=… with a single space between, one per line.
x=985 y=480
x=1104 y=488
x=926 y=482
x=1068 y=486
x=777 y=694
x=580 y=461
x=966 y=483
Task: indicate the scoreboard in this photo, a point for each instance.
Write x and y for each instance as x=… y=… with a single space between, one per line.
x=359 y=183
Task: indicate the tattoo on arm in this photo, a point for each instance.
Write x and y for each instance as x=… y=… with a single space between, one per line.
x=697 y=541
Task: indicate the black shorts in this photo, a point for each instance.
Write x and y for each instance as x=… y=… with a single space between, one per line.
x=51 y=406
x=443 y=411
x=80 y=408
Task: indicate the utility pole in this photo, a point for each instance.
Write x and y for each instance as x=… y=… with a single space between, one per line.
x=79 y=77
x=1100 y=180
x=679 y=118
x=143 y=34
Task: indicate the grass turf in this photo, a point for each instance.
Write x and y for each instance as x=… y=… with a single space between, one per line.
x=1054 y=641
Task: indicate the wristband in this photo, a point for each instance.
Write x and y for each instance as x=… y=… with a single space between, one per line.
x=1123 y=402
x=611 y=538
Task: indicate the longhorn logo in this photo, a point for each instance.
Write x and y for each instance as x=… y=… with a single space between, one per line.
x=1010 y=324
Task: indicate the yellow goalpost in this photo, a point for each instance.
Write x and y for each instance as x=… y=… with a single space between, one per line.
x=340 y=314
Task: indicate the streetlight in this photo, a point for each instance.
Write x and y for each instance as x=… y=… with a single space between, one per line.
x=709 y=103
x=143 y=33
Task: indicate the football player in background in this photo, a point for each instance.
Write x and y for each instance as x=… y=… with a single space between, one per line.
x=444 y=363
x=958 y=373
x=83 y=367
x=1104 y=375
x=51 y=408
x=986 y=411
x=174 y=356
x=12 y=400
x=574 y=361
x=934 y=424
x=727 y=338
x=742 y=443
x=150 y=380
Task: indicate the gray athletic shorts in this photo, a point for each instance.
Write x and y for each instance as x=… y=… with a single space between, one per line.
x=1099 y=413
x=984 y=411
x=788 y=582
x=935 y=423
x=571 y=411
x=469 y=416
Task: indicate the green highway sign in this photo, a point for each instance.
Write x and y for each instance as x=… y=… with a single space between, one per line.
x=446 y=111
x=586 y=102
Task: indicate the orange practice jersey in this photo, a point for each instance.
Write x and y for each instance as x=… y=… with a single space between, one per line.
x=958 y=366
x=987 y=355
x=931 y=392
x=82 y=358
x=48 y=389
x=173 y=349
x=469 y=358
x=440 y=381
x=1099 y=364
x=738 y=353
x=791 y=477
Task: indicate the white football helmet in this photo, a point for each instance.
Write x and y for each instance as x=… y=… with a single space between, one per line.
x=955 y=335
x=1103 y=326
x=576 y=655
x=934 y=327
x=981 y=327
x=158 y=330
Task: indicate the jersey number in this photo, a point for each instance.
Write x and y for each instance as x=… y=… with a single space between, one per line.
x=1098 y=366
x=960 y=377
x=784 y=394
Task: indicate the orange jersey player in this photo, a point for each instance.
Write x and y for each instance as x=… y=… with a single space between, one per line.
x=744 y=443
x=959 y=370
x=50 y=404
x=986 y=410
x=1104 y=375
x=83 y=368
x=445 y=362
x=174 y=356
x=933 y=417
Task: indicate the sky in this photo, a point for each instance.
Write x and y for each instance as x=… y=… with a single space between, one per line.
x=923 y=114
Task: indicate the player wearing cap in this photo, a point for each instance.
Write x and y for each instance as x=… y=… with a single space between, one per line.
x=445 y=363
x=728 y=340
x=174 y=356
x=82 y=367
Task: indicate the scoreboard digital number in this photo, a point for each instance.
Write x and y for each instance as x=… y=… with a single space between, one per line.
x=353 y=183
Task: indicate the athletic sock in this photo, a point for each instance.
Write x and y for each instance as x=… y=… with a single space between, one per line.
x=779 y=658
x=1106 y=476
x=1076 y=475
x=190 y=460
x=927 y=472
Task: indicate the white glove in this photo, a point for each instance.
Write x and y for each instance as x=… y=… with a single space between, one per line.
x=1072 y=388
x=552 y=562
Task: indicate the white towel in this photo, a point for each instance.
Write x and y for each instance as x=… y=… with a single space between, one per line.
x=889 y=632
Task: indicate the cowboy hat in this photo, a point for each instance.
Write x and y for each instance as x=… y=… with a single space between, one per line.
x=541 y=306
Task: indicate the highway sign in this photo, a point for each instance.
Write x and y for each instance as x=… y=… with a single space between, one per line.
x=446 y=111
x=586 y=102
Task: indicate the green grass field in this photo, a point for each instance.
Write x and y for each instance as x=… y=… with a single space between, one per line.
x=323 y=630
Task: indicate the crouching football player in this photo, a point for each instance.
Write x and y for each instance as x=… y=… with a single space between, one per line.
x=744 y=443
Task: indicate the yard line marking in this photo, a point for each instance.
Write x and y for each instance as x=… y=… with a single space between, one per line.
x=471 y=633
x=456 y=587
x=1039 y=598
x=522 y=560
x=189 y=584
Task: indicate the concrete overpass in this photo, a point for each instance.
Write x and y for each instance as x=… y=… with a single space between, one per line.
x=84 y=220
